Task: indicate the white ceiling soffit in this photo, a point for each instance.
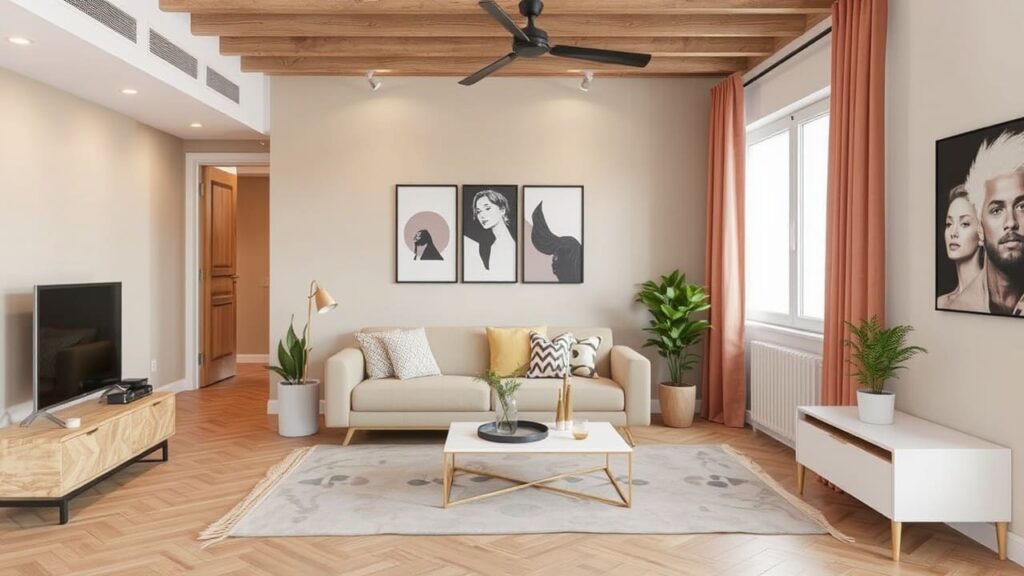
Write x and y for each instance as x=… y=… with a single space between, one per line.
x=85 y=47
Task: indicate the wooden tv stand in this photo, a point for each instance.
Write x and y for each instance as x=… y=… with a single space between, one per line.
x=45 y=465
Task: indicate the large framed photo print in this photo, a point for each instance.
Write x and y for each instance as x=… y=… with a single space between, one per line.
x=979 y=217
x=426 y=250
x=553 y=234
x=489 y=239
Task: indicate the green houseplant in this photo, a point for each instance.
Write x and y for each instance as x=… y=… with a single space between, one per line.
x=673 y=302
x=877 y=353
x=298 y=399
x=507 y=415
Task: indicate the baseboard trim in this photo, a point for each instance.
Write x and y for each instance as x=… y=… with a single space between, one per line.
x=985 y=534
x=272 y=406
x=253 y=358
x=177 y=386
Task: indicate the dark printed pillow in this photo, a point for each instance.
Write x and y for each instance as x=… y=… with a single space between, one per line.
x=583 y=360
x=549 y=358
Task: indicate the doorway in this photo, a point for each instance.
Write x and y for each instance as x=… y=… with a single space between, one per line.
x=227 y=259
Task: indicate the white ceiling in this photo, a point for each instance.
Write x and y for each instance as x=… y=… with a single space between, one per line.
x=67 y=62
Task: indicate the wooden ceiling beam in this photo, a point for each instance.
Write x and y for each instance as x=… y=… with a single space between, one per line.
x=481 y=25
x=543 y=66
x=510 y=6
x=476 y=47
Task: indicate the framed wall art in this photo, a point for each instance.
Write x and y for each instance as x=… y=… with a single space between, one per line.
x=553 y=234
x=489 y=233
x=426 y=247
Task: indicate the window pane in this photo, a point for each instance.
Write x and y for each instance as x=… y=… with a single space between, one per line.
x=767 y=226
x=814 y=176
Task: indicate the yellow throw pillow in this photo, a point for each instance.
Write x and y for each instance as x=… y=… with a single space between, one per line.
x=510 y=348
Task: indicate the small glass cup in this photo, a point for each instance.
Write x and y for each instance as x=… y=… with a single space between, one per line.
x=580 y=429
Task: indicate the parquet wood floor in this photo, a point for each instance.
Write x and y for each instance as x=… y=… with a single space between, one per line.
x=145 y=520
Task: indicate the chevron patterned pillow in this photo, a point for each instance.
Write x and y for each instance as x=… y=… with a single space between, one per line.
x=549 y=358
x=583 y=361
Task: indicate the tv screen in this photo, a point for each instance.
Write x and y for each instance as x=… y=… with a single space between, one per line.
x=77 y=330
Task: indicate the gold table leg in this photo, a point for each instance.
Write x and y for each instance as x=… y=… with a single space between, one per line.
x=897 y=538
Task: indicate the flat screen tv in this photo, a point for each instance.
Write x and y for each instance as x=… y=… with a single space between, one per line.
x=77 y=341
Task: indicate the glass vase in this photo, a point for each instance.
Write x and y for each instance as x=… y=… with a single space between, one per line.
x=507 y=415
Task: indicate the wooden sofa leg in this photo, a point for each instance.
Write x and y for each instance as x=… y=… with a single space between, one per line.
x=348 y=436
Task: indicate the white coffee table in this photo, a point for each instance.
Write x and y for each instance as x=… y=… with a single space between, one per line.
x=602 y=439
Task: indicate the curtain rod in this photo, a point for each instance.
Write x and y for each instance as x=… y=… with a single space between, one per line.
x=782 y=60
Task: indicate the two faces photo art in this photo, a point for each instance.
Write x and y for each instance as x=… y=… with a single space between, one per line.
x=551 y=231
x=979 y=260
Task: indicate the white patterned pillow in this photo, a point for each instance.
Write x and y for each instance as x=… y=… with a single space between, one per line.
x=378 y=365
x=583 y=359
x=410 y=353
x=549 y=358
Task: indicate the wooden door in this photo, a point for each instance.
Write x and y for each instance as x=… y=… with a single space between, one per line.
x=219 y=208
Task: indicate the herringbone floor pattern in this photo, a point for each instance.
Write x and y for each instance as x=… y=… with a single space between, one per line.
x=145 y=520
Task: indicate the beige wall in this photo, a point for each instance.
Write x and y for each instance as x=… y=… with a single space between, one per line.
x=88 y=195
x=254 y=146
x=951 y=69
x=638 y=146
x=253 y=264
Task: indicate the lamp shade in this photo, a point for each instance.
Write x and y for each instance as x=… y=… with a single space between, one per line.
x=324 y=302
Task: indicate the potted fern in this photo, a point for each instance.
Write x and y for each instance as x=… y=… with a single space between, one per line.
x=877 y=353
x=298 y=399
x=672 y=303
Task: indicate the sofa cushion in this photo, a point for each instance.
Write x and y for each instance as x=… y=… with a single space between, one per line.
x=510 y=348
x=588 y=395
x=427 y=394
x=409 y=352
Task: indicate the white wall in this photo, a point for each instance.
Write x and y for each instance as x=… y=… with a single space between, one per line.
x=952 y=66
x=638 y=146
x=87 y=195
x=803 y=76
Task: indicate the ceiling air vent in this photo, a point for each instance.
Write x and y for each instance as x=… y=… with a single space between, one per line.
x=171 y=53
x=222 y=85
x=109 y=15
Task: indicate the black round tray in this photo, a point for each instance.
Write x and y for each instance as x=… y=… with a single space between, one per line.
x=527 y=431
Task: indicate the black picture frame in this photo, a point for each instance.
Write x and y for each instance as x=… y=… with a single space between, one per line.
x=399 y=234
x=474 y=232
x=578 y=273
x=954 y=157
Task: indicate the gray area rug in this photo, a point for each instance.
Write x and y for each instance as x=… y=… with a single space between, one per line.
x=396 y=489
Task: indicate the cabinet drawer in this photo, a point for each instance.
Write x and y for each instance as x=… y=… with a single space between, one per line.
x=152 y=424
x=862 y=470
x=88 y=455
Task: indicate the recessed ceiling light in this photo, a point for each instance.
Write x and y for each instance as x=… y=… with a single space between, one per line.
x=129 y=91
x=196 y=125
x=19 y=40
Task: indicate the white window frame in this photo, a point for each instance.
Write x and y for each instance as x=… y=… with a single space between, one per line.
x=791 y=123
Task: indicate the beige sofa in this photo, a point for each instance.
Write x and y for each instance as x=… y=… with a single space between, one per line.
x=621 y=394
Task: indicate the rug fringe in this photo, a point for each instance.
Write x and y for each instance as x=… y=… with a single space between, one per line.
x=221 y=529
x=804 y=507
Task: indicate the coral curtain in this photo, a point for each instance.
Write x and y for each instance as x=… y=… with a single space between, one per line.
x=855 y=248
x=725 y=389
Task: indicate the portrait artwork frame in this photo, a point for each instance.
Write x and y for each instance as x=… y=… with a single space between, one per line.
x=490 y=233
x=553 y=234
x=979 y=220
x=426 y=233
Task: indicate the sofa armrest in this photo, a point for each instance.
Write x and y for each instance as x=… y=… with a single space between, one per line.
x=343 y=371
x=632 y=371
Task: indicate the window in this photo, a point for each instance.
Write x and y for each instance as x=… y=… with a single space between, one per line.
x=787 y=179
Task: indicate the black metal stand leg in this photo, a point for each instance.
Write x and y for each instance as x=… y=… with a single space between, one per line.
x=65 y=511
x=166 y=450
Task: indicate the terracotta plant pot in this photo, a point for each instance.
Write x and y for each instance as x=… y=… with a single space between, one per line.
x=677 y=405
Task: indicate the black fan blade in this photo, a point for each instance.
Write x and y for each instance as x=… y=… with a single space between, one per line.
x=488 y=70
x=604 y=56
x=504 y=19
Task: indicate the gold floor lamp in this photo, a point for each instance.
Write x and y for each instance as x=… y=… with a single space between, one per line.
x=324 y=304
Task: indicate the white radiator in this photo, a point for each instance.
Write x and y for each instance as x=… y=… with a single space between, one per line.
x=780 y=380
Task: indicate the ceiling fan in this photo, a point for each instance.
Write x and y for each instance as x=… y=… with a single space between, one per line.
x=531 y=42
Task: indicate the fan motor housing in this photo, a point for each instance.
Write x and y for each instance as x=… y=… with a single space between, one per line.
x=531 y=8
x=537 y=46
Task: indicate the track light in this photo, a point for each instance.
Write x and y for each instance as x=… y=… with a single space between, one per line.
x=588 y=78
x=374 y=83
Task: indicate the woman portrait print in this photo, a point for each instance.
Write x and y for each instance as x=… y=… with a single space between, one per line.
x=489 y=232
x=964 y=239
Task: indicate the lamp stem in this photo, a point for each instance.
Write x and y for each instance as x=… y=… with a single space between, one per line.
x=309 y=324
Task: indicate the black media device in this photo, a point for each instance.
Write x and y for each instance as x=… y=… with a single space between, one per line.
x=128 y=391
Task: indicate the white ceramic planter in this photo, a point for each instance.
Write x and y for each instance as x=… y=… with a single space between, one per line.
x=876 y=408
x=298 y=408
